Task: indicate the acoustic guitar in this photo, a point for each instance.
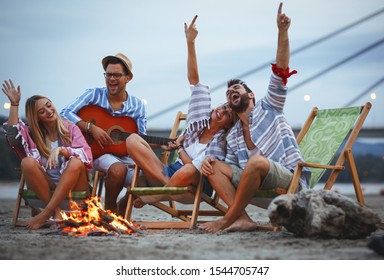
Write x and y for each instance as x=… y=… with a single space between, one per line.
x=117 y=127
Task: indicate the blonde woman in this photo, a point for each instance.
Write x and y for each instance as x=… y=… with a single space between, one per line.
x=55 y=156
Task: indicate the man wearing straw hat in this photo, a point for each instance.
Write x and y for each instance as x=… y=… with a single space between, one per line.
x=115 y=99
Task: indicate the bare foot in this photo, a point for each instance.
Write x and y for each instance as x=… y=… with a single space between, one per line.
x=214 y=226
x=38 y=221
x=242 y=224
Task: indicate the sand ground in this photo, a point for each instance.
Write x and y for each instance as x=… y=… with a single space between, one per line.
x=175 y=244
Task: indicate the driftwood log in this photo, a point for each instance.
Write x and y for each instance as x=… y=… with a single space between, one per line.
x=323 y=213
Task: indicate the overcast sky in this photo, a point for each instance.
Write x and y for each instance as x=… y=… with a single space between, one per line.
x=54 y=48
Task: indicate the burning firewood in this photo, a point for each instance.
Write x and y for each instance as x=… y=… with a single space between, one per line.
x=135 y=228
x=91 y=219
x=105 y=216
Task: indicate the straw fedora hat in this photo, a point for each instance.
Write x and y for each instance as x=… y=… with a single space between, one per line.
x=125 y=60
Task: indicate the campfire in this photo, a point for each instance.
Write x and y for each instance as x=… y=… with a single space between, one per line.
x=91 y=219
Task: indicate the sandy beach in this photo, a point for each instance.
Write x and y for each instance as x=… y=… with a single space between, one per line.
x=175 y=244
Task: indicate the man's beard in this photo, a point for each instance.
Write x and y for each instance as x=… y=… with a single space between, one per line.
x=242 y=105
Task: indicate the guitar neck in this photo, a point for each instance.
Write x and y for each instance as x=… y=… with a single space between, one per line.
x=155 y=139
x=149 y=139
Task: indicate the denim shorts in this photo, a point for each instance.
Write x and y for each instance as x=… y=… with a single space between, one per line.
x=278 y=176
x=103 y=163
x=172 y=168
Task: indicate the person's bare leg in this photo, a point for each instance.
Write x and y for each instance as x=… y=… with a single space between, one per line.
x=74 y=171
x=221 y=181
x=255 y=170
x=187 y=175
x=114 y=183
x=143 y=155
x=37 y=179
x=150 y=165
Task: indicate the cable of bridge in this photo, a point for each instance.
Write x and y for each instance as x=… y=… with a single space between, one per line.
x=267 y=64
x=380 y=81
x=337 y=64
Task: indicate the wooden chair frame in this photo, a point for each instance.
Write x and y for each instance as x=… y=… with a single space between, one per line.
x=97 y=185
x=345 y=155
x=188 y=218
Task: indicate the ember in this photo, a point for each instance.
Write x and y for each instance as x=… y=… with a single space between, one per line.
x=92 y=220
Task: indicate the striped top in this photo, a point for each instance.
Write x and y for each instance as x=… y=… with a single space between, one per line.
x=199 y=115
x=132 y=107
x=270 y=132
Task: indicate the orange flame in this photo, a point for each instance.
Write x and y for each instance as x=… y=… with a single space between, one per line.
x=91 y=218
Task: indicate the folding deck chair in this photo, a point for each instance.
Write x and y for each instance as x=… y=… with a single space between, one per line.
x=32 y=200
x=325 y=143
x=183 y=218
x=325 y=134
x=329 y=134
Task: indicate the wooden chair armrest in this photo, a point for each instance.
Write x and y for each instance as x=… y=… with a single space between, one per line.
x=140 y=191
x=315 y=165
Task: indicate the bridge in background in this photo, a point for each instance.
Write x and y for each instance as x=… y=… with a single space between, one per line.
x=374 y=132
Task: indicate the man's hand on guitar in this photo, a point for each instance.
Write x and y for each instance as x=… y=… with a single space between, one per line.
x=101 y=136
x=172 y=145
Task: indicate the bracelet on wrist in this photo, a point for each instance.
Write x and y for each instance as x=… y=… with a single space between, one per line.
x=87 y=127
x=179 y=147
x=14 y=104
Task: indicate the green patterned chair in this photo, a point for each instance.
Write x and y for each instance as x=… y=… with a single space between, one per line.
x=326 y=141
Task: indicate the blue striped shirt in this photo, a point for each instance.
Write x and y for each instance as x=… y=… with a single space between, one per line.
x=132 y=107
x=270 y=132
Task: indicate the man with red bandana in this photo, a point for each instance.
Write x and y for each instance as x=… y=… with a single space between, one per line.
x=262 y=151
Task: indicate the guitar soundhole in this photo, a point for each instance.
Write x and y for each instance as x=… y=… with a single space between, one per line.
x=115 y=135
x=115 y=132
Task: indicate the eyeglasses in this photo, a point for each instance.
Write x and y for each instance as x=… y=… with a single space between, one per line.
x=116 y=76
